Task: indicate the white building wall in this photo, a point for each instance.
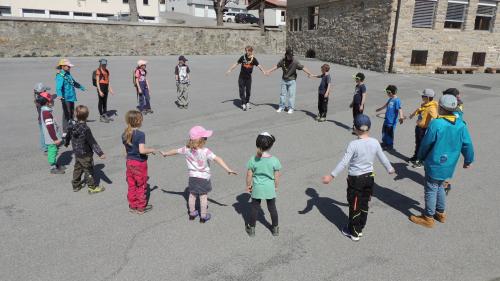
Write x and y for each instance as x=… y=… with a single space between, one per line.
x=112 y=7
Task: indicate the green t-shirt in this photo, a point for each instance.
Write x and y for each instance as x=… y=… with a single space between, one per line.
x=263 y=176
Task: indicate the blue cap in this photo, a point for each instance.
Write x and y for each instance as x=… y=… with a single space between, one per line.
x=362 y=122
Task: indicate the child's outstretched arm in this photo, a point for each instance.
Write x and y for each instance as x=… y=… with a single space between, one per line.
x=171 y=152
x=381 y=108
x=231 y=68
x=340 y=166
x=271 y=70
x=221 y=162
x=249 y=180
x=145 y=150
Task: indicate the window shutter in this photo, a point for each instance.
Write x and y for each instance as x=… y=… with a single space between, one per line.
x=456 y=11
x=487 y=8
x=423 y=15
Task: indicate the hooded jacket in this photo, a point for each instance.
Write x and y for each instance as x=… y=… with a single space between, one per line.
x=65 y=86
x=446 y=138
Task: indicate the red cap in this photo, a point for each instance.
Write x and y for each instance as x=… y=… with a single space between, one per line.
x=46 y=96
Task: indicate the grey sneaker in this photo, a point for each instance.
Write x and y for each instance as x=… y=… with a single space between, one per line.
x=275 y=230
x=248 y=106
x=57 y=171
x=104 y=119
x=145 y=210
x=250 y=230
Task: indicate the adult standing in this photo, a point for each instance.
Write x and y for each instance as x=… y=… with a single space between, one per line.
x=142 y=86
x=65 y=89
x=247 y=61
x=103 y=88
x=289 y=64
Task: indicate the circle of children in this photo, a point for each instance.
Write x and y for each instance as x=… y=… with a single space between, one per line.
x=441 y=135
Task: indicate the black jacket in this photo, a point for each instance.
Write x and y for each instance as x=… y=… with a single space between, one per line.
x=83 y=141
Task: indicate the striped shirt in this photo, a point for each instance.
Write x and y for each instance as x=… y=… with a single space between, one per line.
x=359 y=157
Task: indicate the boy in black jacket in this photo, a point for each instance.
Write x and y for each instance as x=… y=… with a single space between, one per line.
x=84 y=146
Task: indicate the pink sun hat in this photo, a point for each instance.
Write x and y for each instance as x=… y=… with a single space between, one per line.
x=198 y=132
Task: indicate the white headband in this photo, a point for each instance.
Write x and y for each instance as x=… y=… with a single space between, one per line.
x=265 y=134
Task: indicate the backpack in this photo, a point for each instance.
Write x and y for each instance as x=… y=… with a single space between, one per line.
x=94 y=73
x=133 y=76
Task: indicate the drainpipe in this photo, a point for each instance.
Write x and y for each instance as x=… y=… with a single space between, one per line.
x=394 y=37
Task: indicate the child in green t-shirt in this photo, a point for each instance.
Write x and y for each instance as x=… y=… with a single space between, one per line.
x=262 y=181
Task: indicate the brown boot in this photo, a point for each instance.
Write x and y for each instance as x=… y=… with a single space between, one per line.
x=423 y=220
x=440 y=217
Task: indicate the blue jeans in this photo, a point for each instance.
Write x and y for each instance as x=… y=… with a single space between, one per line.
x=435 y=197
x=288 y=87
x=144 y=97
x=388 y=135
x=43 y=146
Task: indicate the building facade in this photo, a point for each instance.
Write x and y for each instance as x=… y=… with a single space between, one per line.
x=405 y=36
x=203 y=8
x=79 y=9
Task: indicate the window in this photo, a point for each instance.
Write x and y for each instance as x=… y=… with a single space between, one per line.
x=455 y=14
x=424 y=13
x=145 y=2
x=295 y=24
x=419 y=58
x=104 y=1
x=313 y=17
x=291 y=25
x=125 y=1
x=79 y=14
x=5 y=11
x=104 y=15
x=450 y=58
x=59 y=13
x=478 y=59
x=283 y=16
x=486 y=11
x=33 y=11
x=300 y=24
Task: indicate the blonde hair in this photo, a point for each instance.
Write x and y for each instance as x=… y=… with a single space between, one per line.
x=133 y=118
x=82 y=113
x=197 y=143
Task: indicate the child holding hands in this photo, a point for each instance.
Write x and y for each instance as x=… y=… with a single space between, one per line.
x=262 y=181
x=197 y=159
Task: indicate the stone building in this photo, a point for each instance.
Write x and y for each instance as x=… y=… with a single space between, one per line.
x=404 y=36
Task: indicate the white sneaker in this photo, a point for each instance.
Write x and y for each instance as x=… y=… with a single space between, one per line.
x=244 y=107
x=279 y=110
x=290 y=111
x=248 y=105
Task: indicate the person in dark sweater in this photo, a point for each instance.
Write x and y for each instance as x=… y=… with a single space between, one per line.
x=84 y=146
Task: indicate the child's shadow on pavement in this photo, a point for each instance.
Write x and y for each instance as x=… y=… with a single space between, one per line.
x=100 y=175
x=402 y=172
x=185 y=195
x=328 y=207
x=396 y=200
x=65 y=158
x=244 y=208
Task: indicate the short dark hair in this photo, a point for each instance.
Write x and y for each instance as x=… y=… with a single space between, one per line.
x=360 y=76
x=82 y=113
x=41 y=100
x=264 y=142
x=451 y=91
x=393 y=89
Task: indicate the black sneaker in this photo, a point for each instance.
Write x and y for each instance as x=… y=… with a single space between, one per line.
x=417 y=164
x=76 y=189
x=206 y=218
x=275 y=230
x=250 y=230
x=348 y=234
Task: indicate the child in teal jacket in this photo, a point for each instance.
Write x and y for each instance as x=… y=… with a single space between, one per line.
x=446 y=138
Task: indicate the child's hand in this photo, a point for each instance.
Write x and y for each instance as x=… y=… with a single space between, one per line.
x=392 y=171
x=231 y=172
x=103 y=156
x=249 y=189
x=327 y=179
x=401 y=120
x=58 y=142
x=163 y=153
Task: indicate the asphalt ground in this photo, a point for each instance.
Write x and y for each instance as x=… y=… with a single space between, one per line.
x=48 y=232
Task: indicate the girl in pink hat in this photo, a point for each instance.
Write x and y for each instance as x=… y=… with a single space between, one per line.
x=197 y=157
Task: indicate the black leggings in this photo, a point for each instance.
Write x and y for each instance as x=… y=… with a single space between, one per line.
x=359 y=192
x=271 y=206
x=322 y=105
x=68 y=113
x=103 y=101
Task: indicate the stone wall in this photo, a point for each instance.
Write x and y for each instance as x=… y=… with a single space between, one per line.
x=437 y=40
x=39 y=37
x=350 y=32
